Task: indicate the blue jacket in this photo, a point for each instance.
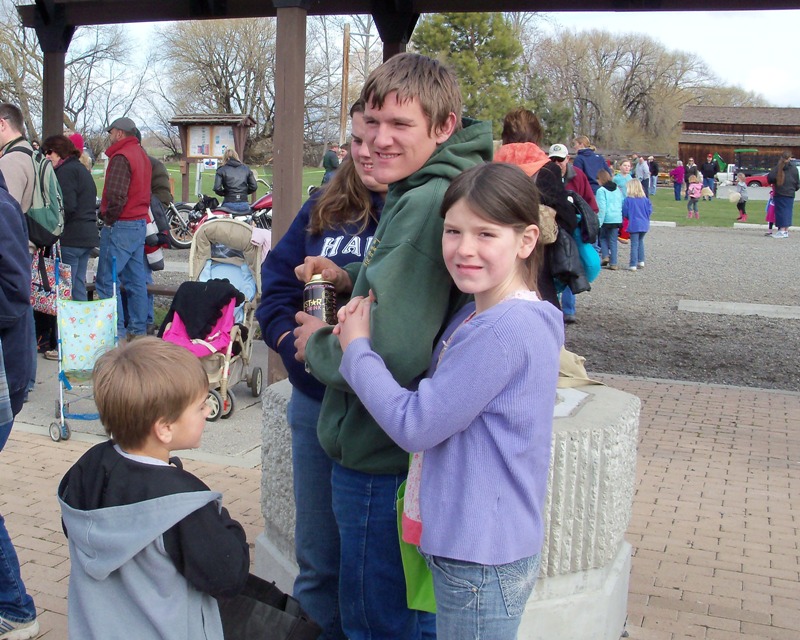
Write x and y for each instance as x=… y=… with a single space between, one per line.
x=282 y=292
x=609 y=200
x=590 y=162
x=15 y=296
x=637 y=211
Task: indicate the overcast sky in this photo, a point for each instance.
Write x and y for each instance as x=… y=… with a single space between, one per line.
x=752 y=49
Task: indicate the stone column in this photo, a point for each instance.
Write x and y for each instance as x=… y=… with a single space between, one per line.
x=582 y=589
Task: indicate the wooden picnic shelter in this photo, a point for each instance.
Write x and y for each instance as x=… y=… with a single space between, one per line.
x=55 y=22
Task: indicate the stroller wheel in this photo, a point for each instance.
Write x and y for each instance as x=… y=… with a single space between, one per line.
x=227 y=409
x=215 y=402
x=66 y=432
x=55 y=431
x=58 y=409
x=256 y=381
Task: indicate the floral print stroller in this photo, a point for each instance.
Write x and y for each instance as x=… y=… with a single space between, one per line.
x=86 y=330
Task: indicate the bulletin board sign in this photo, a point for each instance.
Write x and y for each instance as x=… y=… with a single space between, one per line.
x=222 y=140
x=200 y=141
x=209 y=141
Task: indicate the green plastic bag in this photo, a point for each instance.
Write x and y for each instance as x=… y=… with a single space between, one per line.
x=419 y=580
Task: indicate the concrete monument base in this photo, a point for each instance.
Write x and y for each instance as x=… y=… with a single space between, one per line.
x=582 y=589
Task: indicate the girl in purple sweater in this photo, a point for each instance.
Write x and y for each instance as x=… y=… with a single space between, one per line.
x=484 y=416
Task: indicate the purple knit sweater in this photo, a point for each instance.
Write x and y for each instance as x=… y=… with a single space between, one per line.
x=484 y=420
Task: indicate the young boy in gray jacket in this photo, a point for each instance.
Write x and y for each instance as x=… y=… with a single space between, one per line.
x=150 y=544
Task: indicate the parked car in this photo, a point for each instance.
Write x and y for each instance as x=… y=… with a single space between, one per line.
x=757 y=181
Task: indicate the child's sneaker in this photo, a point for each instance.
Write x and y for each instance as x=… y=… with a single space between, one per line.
x=18 y=630
x=780 y=234
x=640 y=265
x=632 y=268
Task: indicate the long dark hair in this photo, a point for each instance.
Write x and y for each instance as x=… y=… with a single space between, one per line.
x=780 y=177
x=344 y=200
x=504 y=194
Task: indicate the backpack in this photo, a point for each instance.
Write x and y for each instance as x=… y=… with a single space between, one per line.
x=46 y=216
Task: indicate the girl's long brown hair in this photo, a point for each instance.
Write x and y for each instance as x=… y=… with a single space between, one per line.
x=344 y=200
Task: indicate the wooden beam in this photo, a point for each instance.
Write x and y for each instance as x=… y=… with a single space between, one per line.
x=89 y=12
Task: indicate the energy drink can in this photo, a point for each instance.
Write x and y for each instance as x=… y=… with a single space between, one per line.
x=319 y=299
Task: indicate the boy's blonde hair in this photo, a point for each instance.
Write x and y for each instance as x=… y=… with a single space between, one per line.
x=413 y=75
x=140 y=383
x=635 y=189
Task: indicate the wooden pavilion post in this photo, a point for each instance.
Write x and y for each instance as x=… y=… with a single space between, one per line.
x=54 y=36
x=288 y=140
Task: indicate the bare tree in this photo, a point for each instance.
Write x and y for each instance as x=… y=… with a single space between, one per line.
x=220 y=66
x=628 y=90
x=323 y=78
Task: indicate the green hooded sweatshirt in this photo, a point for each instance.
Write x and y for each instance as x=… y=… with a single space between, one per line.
x=415 y=297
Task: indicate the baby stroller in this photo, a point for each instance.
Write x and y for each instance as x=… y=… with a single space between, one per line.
x=86 y=330
x=213 y=314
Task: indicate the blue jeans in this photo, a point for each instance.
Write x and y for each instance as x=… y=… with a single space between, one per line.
x=677 y=186
x=78 y=259
x=481 y=602
x=653 y=184
x=316 y=536
x=608 y=243
x=568 y=302
x=372 y=586
x=709 y=182
x=34 y=352
x=125 y=242
x=242 y=206
x=15 y=603
x=637 y=248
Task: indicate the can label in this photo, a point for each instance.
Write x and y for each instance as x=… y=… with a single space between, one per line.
x=319 y=300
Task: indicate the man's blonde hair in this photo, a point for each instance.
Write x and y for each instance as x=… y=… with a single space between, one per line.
x=140 y=383
x=413 y=75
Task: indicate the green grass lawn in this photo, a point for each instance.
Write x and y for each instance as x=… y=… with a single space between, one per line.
x=719 y=212
x=311 y=175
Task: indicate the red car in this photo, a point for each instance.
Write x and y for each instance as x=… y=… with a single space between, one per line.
x=757 y=181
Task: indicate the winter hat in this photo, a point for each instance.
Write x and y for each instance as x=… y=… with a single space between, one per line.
x=77 y=140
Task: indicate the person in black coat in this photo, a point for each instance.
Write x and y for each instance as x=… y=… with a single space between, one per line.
x=80 y=234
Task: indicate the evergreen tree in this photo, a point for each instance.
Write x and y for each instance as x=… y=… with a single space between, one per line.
x=484 y=52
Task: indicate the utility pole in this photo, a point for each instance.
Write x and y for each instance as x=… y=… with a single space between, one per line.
x=345 y=84
x=346 y=77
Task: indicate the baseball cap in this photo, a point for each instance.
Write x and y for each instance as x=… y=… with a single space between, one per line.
x=710 y=155
x=123 y=124
x=558 y=151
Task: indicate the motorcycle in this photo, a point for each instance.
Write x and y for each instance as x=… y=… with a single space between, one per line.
x=184 y=218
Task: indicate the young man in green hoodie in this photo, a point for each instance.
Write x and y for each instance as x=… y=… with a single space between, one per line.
x=419 y=144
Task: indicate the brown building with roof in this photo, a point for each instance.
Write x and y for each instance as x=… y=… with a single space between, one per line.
x=750 y=137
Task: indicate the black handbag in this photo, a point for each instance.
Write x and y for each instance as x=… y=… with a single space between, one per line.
x=264 y=612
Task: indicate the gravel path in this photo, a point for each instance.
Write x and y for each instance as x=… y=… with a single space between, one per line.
x=629 y=322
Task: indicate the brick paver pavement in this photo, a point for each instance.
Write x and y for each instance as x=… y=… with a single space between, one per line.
x=714 y=526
